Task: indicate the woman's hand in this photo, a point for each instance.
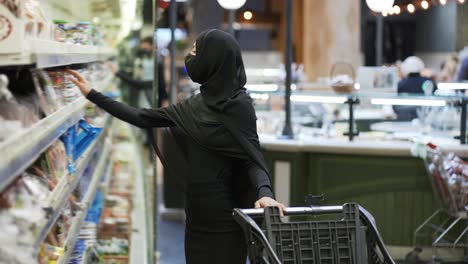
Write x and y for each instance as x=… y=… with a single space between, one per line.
x=267 y=201
x=80 y=82
x=112 y=67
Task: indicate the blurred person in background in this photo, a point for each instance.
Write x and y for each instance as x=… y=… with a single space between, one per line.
x=413 y=83
x=463 y=70
x=449 y=69
x=141 y=82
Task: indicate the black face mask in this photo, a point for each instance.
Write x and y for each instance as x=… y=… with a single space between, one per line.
x=144 y=53
x=190 y=66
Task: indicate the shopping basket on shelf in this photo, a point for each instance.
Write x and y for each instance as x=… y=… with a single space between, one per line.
x=353 y=239
x=447 y=227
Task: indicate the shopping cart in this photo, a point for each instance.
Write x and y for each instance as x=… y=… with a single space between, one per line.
x=447 y=227
x=351 y=239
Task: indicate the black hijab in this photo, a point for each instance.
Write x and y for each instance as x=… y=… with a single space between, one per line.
x=221 y=118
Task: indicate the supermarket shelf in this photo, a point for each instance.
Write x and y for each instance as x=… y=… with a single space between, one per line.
x=97 y=175
x=65 y=193
x=86 y=256
x=87 y=200
x=47 y=54
x=72 y=236
x=18 y=154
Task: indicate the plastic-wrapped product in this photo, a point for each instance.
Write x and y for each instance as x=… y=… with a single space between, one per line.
x=11 y=110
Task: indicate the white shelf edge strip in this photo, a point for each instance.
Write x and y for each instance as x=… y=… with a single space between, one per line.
x=18 y=154
x=73 y=233
x=89 y=197
x=139 y=226
x=97 y=175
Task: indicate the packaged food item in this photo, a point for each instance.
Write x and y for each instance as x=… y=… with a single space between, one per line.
x=11 y=110
x=48 y=99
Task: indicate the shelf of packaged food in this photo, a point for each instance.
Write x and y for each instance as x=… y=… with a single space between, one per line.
x=86 y=256
x=47 y=54
x=18 y=154
x=72 y=235
x=86 y=202
x=98 y=174
x=60 y=196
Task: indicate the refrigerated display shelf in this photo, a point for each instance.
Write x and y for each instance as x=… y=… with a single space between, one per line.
x=65 y=193
x=18 y=154
x=72 y=235
x=87 y=200
x=47 y=54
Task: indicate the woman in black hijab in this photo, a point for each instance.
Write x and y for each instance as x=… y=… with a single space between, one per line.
x=214 y=148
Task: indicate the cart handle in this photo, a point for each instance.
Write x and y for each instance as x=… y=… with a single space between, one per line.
x=313 y=210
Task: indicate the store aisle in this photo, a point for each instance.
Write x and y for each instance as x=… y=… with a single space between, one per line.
x=170 y=240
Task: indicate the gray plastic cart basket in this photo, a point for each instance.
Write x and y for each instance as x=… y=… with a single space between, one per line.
x=353 y=239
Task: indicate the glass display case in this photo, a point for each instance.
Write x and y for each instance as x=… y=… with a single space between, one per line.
x=362 y=114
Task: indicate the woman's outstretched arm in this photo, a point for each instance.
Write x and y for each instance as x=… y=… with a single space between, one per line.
x=143 y=118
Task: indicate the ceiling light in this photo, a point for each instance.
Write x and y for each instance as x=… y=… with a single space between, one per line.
x=425 y=4
x=411 y=8
x=231 y=4
x=248 y=15
x=379 y=5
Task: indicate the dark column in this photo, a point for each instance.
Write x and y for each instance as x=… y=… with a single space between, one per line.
x=173 y=25
x=287 y=130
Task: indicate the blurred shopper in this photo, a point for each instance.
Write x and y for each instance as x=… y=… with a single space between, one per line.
x=141 y=82
x=463 y=71
x=217 y=148
x=449 y=69
x=412 y=84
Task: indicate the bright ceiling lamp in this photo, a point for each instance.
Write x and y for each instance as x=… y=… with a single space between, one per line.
x=425 y=4
x=410 y=8
x=379 y=5
x=231 y=4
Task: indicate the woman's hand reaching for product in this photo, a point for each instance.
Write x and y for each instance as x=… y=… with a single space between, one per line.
x=80 y=82
x=267 y=202
x=112 y=67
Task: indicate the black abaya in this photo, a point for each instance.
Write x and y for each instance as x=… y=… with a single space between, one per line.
x=215 y=148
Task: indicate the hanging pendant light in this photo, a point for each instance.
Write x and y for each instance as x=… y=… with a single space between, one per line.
x=379 y=5
x=231 y=4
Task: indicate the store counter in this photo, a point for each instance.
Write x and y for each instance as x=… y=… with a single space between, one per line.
x=383 y=176
x=357 y=147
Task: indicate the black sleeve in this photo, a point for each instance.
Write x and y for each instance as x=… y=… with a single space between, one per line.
x=140 y=117
x=259 y=179
x=133 y=82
